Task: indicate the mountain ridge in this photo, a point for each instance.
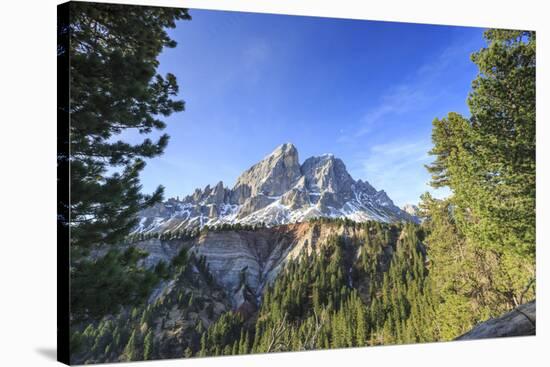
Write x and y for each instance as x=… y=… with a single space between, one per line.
x=277 y=190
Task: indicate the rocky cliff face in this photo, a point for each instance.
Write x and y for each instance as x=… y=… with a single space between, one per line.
x=244 y=262
x=277 y=190
x=273 y=176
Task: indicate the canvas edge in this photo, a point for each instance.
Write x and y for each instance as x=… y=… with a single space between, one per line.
x=63 y=193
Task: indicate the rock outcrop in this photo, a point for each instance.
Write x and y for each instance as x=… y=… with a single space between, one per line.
x=518 y=322
x=273 y=176
x=411 y=209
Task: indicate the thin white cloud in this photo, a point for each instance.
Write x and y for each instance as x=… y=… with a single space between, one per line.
x=255 y=58
x=398 y=168
x=414 y=93
x=250 y=63
x=399 y=100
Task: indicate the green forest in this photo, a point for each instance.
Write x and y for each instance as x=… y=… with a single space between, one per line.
x=471 y=258
x=351 y=292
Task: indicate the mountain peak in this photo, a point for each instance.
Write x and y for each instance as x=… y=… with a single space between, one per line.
x=326 y=172
x=286 y=147
x=284 y=151
x=272 y=176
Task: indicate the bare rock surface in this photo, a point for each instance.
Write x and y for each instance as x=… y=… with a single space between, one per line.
x=518 y=322
x=272 y=176
x=245 y=259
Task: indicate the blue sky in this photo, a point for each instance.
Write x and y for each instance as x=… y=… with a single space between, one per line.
x=364 y=91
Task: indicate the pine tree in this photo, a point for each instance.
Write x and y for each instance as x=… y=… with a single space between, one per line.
x=482 y=238
x=114 y=87
x=131 y=351
x=188 y=353
x=502 y=104
x=148 y=346
x=360 y=325
x=488 y=161
x=203 y=351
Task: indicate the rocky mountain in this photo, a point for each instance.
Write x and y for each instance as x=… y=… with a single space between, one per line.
x=413 y=211
x=277 y=190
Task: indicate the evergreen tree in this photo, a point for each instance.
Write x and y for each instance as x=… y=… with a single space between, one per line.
x=114 y=87
x=360 y=324
x=131 y=352
x=502 y=105
x=488 y=161
x=203 y=350
x=188 y=353
x=148 y=346
x=98 y=287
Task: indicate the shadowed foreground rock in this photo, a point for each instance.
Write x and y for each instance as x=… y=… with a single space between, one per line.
x=518 y=322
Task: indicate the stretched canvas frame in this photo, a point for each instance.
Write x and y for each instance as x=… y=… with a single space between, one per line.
x=340 y=265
